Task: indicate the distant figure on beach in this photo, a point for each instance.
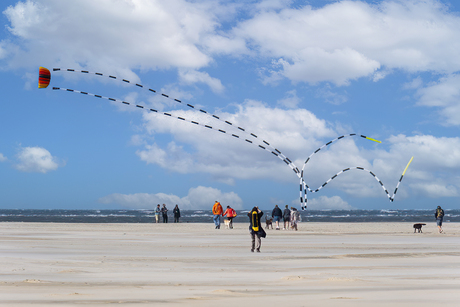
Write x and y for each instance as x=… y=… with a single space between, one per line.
x=157 y=213
x=439 y=215
x=286 y=218
x=277 y=215
x=217 y=212
x=164 y=212
x=176 y=212
x=295 y=217
x=255 y=228
x=230 y=213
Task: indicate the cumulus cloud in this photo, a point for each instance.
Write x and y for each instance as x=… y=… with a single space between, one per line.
x=338 y=42
x=226 y=158
x=297 y=133
x=193 y=76
x=328 y=203
x=346 y=40
x=101 y=34
x=443 y=95
x=36 y=160
x=197 y=198
x=2 y=158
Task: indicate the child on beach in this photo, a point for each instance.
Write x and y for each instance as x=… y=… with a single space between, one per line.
x=230 y=213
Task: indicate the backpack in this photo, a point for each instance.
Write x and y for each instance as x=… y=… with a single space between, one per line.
x=439 y=213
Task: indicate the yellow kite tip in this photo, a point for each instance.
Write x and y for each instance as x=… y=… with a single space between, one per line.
x=407 y=166
x=373 y=139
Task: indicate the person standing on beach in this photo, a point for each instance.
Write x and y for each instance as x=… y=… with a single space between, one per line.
x=295 y=217
x=164 y=211
x=255 y=228
x=176 y=212
x=286 y=218
x=217 y=212
x=157 y=213
x=230 y=213
x=439 y=215
x=277 y=214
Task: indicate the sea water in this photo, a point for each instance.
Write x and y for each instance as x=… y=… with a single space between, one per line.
x=205 y=216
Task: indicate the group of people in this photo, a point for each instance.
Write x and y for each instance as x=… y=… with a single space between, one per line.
x=217 y=212
x=164 y=213
x=290 y=217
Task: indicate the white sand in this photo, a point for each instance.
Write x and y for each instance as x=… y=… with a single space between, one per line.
x=322 y=264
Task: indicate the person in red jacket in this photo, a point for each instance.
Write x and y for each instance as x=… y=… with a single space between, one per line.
x=217 y=212
x=230 y=213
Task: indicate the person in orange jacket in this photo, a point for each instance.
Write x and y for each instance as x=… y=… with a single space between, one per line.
x=230 y=213
x=217 y=211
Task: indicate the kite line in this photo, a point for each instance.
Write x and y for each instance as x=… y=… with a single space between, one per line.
x=45 y=78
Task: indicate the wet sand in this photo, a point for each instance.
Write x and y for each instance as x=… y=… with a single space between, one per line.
x=322 y=264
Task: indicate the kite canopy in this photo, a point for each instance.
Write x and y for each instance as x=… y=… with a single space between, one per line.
x=44 y=77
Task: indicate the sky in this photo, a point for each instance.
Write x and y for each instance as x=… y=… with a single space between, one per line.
x=297 y=74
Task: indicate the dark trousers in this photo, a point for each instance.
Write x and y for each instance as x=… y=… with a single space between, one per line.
x=255 y=239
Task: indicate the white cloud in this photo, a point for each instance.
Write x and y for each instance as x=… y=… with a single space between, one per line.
x=110 y=35
x=445 y=95
x=291 y=100
x=197 y=198
x=338 y=42
x=193 y=76
x=298 y=133
x=347 y=40
x=227 y=157
x=2 y=158
x=36 y=159
x=328 y=203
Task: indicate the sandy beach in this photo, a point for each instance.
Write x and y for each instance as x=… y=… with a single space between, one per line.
x=322 y=264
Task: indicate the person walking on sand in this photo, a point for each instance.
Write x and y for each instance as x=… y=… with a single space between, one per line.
x=255 y=228
x=164 y=212
x=176 y=212
x=295 y=217
x=277 y=214
x=157 y=213
x=286 y=218
x=230 y=213
x=439 y=215
x=217 y=212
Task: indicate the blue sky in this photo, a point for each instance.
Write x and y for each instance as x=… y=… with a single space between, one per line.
x=296 y=73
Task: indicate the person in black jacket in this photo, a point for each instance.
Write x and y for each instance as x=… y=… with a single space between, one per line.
x=164 y=212
x=439 y=215
x=277 y=216
x=286 y=217
x=255 y=228
x=176 y=212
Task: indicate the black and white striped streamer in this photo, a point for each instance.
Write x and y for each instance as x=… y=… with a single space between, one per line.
x=263 y=143
x=251 y=139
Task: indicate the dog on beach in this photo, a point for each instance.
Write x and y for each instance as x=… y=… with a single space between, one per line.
x=418 y=227
x=268 y=222
x=227 y=224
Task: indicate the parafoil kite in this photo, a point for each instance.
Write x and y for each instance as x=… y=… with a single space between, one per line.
x=44 y=77
x=44 y=80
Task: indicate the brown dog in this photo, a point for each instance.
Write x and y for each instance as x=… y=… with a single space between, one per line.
x=268 y=222
x=418 y=227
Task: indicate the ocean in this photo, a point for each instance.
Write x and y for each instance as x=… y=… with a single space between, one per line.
x=205 y=216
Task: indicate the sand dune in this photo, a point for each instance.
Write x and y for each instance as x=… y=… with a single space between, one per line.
x=322 y=264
